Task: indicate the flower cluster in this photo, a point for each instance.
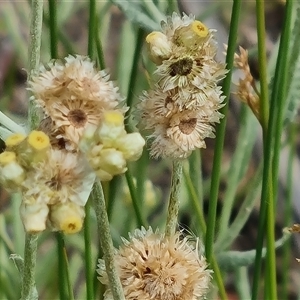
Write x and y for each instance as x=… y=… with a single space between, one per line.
x=152 y=266
x=183 y=106
x=50 y=180
x=80 y=106
x=110 y=146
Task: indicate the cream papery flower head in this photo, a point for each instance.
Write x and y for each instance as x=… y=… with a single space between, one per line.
x=73 y=93
x=61 y=177
x=175 y=129
x=182 y=108
x=152 y=266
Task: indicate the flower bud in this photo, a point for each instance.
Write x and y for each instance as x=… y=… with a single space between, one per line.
x=67 y=217
x=14 y=140
x=159 y=47
x=112 y=161
x=131 y=145
x=11 y=173
x=34 y=216
x=111 y=128
x=192 y=35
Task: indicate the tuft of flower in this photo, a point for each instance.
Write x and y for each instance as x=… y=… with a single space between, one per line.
x=73 y=95
x=47 y=179
x=109 y=146
x=183 y=107
x=246 y=88
x=152 y=266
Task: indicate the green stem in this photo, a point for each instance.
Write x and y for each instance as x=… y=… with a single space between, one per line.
x=173 y=209
x=134 y=73
x=53 y=27
x=288 y=210
x=99 y=48
x=215 y=181
x=135 y=200
x=68 y=278
x=34 y=53
x=92 y=28
x=172 y=6
x=272 y=135
x=88 y=252
x=28 y=291
x=194 y=198
x=63 y=282
x=106 y=242
x=238 y=166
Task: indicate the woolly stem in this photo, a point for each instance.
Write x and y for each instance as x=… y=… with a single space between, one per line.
x=34 y=53
x=173 y=208
x=106 y=242
x=28 y=290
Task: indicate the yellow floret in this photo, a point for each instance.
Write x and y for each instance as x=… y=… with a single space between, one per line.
x=151 y=37
x=200 y=29
x=113 y=117
x=71 y=224
x=15 y=139
x=7 y=157
x=38 y=140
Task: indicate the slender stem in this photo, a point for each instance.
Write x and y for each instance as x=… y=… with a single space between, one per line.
x=134 y=72
x=272 y=135
x=135 y=201
x=99 y=48
x=28 y=291
x=261 y=45
x=172 y=6
x=92 y=27
x=106 y=242
x=53 y=27
x=288 y=210
x=88 y=252
x=200 y=218
x=215 y=179
x=264 y=118
x=34 y=53
x=62 y=280
x=173 y=209
x=68 y=278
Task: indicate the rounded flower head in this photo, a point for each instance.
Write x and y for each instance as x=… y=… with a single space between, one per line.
x=61 y=177
x=176 y=130
x=152 y=266
x=183 y=106
x=73 y=94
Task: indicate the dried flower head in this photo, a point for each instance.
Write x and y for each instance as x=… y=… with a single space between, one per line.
x=183 y=106
x=73 y=94
x=61 y=177
x=176 y=129
x=152 y=266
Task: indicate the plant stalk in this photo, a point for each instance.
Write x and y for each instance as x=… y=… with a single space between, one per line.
x=106 y=242
x=173 y=209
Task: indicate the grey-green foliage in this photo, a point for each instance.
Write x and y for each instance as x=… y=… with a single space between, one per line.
x=231 y=260
x=135 y=14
